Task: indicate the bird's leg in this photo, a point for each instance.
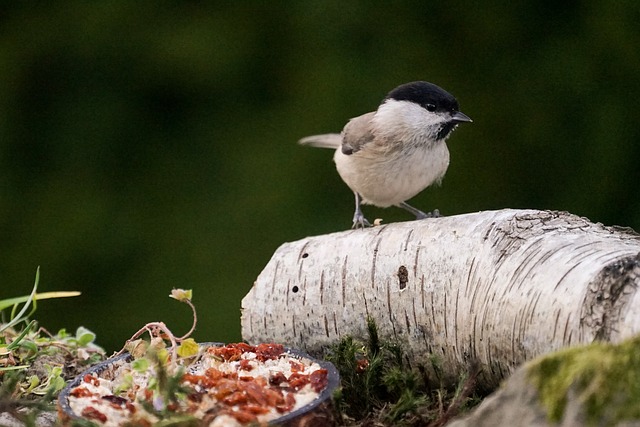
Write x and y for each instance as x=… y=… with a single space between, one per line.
x=359 y=221
x=417 y=212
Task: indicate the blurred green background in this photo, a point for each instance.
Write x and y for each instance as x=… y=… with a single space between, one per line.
x=146 y=145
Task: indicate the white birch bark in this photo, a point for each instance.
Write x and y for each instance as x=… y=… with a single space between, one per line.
x=496 y=287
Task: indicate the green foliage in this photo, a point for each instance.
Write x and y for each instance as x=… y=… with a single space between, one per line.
x=605 y=379
x=377 y=385
x=166 y=388
x=34 y=364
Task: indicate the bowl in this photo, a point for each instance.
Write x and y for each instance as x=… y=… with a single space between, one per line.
x=318 y=412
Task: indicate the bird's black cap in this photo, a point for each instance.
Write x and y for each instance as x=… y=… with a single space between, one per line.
x=425 y=94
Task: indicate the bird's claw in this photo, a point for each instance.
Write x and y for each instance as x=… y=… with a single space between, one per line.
x=359 y=221
x=435 y=213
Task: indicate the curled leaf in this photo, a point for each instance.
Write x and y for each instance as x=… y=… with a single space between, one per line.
x=137 y=348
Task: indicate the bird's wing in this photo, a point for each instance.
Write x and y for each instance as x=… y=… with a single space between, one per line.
x=357 y=133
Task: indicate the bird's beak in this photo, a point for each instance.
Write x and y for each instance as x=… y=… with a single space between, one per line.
x=459 y=117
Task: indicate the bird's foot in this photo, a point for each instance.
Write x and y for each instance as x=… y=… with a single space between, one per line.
x=359 y=221
x=418 y=213
x=433 y=214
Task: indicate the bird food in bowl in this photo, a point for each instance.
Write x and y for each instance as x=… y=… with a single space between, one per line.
x=221 y=385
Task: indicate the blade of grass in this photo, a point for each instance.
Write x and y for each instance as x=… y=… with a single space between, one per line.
x=38 y=296
x=13 y=368
x=18 y=318
x=15 y=343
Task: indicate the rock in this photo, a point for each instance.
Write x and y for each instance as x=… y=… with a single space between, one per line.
x=45 y=419
x=597 y=385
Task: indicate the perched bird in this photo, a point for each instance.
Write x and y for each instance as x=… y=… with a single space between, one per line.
x=389 y=155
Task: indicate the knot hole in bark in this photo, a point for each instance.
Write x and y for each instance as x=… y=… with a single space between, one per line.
x=403 y=277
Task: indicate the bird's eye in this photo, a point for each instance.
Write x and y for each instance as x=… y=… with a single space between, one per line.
x=431 y=107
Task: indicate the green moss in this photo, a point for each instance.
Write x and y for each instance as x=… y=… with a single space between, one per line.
x=605 y=378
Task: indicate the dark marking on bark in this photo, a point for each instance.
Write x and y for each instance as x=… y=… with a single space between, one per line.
x=550 y=253
x=433 y=311
x=275 y=277
x=583 y=251
x=344 y=280
x=445 y=317
x=403 y=277
x=469 y=275
x=608 y=297
x=373 y=266
x=389 y=301
x=393 y=324
x=407 y=322
x=415 y=262
x=476 y=289
x=513 y=338
x=406 y=242
x=303 y=251
x=555 y=288
x=489 y=230
x=533 y=307
x=566 y=339
x=304 y=293
x=335 y=323
x=555 y=325
x=366 y=307
x=455 y=318
x=301 y=255
x=293 y=324
x=322 y=287
x=531 y=251
x=422 y=292
x=286 y=301
x=473 y=336
x=326 y=325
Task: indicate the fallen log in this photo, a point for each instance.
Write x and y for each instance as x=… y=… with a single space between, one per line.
x=494 y=288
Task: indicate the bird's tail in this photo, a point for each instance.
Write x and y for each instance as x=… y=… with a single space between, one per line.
x=327 y=140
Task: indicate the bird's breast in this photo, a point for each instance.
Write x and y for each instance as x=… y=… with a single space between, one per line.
x=388 y=177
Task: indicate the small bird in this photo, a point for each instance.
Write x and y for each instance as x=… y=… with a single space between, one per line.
x=389 y=155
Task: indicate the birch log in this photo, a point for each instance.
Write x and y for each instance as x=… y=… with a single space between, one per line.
x=496 y=287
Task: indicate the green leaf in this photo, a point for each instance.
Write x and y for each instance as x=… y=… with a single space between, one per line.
x=84 y=336
x=140 y=365
x=57 y=384
x=34 y=382
x=188 y=348
x=29 y=345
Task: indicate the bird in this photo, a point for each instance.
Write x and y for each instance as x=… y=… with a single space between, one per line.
x=388 y=156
